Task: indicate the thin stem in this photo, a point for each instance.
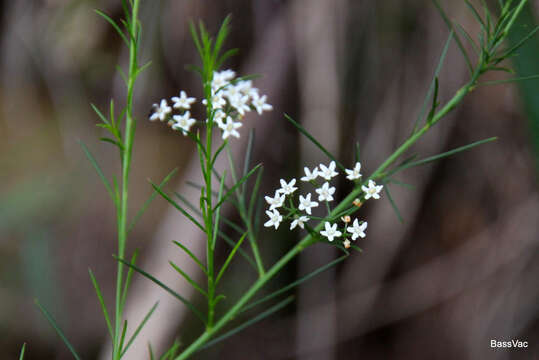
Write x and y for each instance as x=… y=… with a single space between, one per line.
x=130 y=125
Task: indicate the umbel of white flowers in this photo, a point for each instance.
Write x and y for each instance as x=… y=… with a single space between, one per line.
x=301 y=214
x=231 y=99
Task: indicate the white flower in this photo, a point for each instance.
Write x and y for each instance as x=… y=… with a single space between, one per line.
x=239 y=102
x=221 y=78
x=310 y=175
x=231 y=91
x=357 y=230
x=325 y=193
x=229 y=128
x=372 y=190
x=299 y=222
x=259 y=102
x=161 y=111
x=331 y=231
x=226 y=75
x=354 y=173
x=276 y=201
x=328 y=172
x=274 y=219
x=306 y=204
x=217 y=100
x=182 y=102
x=183 y=122
x=246 y=88
x=219 y=118
x=346 y=244
x=289 y=188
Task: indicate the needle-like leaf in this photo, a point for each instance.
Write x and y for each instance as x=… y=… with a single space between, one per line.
x=60 y=333
x=166 y=288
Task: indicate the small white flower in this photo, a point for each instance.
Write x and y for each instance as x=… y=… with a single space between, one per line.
x=239 y=102
x=299 y=222
x=357 y=230
x=289 y=188
x=221 y=79
x=325 y=193
x=161 y=111
x=346 y=244
x=274 y=219
x=182 y=102
x=276 y=201
x=219 y=118
x=217 y=100
x=229 y=128
x=246 y=88
x=306 y=204
x=330 y=231
x=259 y=102
x=328 y=172
x=226 y=75
x=183 y=122
x=372 y=190
x=310 y=175
x=354 y=173
x=231 y=91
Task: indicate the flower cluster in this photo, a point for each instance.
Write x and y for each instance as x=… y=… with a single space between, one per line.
x=299 y=211
x=231 y=98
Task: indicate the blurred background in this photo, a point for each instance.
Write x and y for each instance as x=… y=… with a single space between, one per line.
x=463 y=267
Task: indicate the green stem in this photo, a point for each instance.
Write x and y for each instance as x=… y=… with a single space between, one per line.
x=126 y=165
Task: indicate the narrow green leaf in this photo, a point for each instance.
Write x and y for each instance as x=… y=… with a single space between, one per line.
x=302 y=130
x=294 y=284
x=229 y=258
x=139 y=328
x=143 y=67
x=222 y=34
x=166 y=288
x=114 y=25
x=446 y=154
x=517 y=46
x=100 y=114
x=50 y=319
x=433 y=82
x=188 y=278
x=102 y=303
x=218 y=212
x=150 y=352
x=449 y=24
x=226 y=55
x=393 y=204
x=219 y=150
x=112 y=141
x=249 y=322
x=171 y=353
x=476 y=14
x=192 y=256
x=150 y=199
x=177 y=206
x=254 y=193
x=23 y=349
x=236 y=185
x=248 y=155
x=232 y=244
x=128 y=279
x=122 y=336
x=475 y=47
x=97 y=169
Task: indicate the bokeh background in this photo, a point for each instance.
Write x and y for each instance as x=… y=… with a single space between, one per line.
x=462 y=269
